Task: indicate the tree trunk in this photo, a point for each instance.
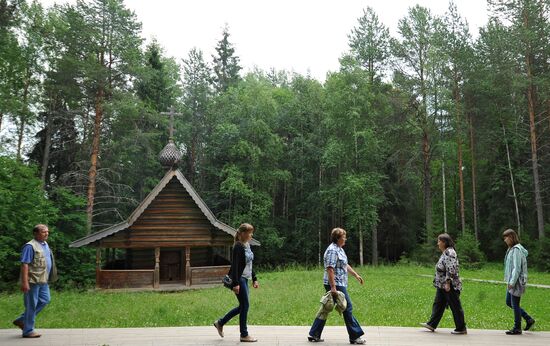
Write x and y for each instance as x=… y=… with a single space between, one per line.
x=319 y=219
x=361 y=262
x=284 y=200
x=459 y=153
x=427 y=184
x=20 y=134
x=512 y=180
x=444 y=195
x=1 y=116
x=92 y=174
x=21 y=130
x=374 y=245
x=474 y=179
x=533 y=132
x=47 y=146
x=192 y=158
x=426 y=152
x=534 y=161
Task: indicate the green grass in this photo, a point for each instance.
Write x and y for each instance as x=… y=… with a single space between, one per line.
x=391 y=296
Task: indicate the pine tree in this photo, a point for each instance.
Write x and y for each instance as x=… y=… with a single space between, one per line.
x=226 y=64
x=197 y=92
x=370 y=44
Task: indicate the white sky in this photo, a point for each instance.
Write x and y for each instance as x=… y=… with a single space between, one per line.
x=303 y=36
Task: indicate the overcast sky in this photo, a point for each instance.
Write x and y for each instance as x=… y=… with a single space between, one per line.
x=304 y=36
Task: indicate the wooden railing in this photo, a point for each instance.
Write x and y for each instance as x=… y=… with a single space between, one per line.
x=208 y=275
x=144 y=278
x=138 y=278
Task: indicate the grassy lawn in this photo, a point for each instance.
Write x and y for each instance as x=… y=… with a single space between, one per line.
x=391 y=296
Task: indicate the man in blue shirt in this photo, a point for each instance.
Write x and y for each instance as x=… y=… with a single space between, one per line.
x=37 y=268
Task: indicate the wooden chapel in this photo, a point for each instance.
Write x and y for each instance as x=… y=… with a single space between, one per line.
x=172 y=240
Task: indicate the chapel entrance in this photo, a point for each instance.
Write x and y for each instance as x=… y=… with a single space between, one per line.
x=171 y=268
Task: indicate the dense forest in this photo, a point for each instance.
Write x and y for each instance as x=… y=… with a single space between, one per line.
x=426 y=132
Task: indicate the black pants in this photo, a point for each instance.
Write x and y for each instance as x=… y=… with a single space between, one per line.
x=441 y=300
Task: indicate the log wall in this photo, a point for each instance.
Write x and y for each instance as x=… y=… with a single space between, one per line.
x=208 y=275
x=125 y=278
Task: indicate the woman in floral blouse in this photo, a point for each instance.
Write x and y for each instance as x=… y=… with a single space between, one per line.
x=448 y=287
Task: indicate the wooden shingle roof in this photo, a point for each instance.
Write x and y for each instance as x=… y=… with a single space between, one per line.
x=147 y=201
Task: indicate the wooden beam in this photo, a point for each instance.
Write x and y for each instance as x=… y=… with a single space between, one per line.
x=187 y=266
x=156 y=280
x=183 y=267
x=97 y=266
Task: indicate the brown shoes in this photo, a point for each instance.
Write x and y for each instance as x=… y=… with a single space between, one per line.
x=219 y=328
x=32 y=335
x=248 y=338
x=19 y=324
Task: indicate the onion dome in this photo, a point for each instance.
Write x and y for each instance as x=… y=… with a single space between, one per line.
x=170 y=156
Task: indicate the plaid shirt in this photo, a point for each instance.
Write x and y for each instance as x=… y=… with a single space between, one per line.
x=336 y=258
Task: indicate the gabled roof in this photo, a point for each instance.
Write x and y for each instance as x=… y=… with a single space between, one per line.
x=150 y=198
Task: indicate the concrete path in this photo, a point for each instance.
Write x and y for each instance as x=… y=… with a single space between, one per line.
x=490 y=281
x=267 y=335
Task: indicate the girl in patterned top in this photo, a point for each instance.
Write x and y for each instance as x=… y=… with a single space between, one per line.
x=448 y=286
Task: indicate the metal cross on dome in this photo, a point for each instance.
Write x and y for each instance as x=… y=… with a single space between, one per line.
x=171 y=114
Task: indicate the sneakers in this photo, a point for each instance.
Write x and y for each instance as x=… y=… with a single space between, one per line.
x=314 y=339
x=219 y=328
x=527 y=326
x=513 y=332
x=459 y=331
x=358 y=341
x=427 y=326
x=248 y=338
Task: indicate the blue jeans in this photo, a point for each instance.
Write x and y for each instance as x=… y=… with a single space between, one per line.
x=353 y=327
x=513 y=302
x=241 y=310
x=35 y=300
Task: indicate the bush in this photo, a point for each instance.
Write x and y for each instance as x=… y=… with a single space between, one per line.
x=425 y=253
x=23 y=204
x=76 y=266
x=541 y=254
x=469 y=253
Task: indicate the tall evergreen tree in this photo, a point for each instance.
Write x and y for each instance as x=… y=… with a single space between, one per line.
x=10 y=60
x=156 y=83
x=455 y=44
x=108 y=34
x=31 y=37
x=370 y=43
x=416 y=31
x=226 y=63
x=197 y=92
x=528 y=20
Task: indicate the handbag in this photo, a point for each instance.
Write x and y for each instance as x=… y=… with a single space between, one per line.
x=227 y=282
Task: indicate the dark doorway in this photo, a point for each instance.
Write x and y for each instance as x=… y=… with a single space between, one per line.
x=170 y=265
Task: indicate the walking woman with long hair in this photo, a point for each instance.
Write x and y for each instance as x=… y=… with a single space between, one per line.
x=241 y=271
x=515 y=275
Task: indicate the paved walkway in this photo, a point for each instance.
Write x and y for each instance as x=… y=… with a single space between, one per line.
x=267 y=335
x=490 y=281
